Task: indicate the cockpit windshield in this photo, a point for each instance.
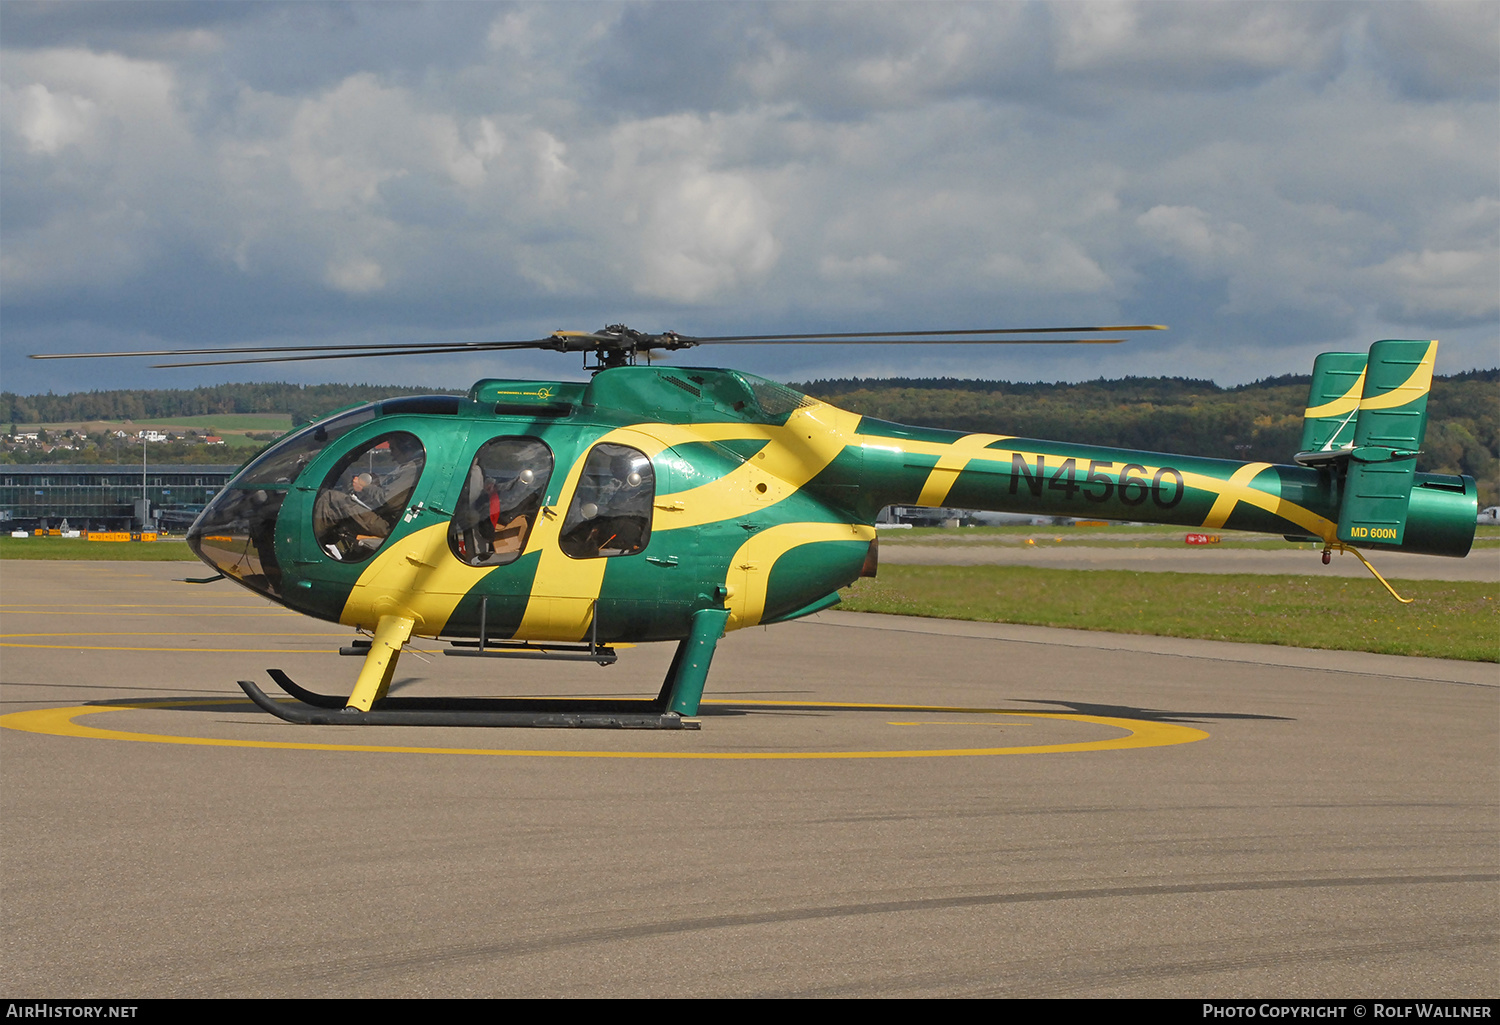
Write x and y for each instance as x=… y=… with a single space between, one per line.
x=284 y=461
x=775 y=401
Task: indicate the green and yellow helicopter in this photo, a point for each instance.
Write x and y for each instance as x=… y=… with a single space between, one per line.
x=662 y=503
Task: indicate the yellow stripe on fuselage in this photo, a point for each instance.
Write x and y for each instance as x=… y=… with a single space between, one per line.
x=794 y=454
x=1236 y=490
x=416 y=577
x=951 y=463
x=750 y=569
x=564 y=589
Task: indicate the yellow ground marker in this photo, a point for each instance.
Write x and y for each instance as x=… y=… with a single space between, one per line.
x=61 y=722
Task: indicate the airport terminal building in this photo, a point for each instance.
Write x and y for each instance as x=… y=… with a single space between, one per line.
x=107 y=497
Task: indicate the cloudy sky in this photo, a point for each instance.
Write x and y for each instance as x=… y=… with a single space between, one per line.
x=1270 y=180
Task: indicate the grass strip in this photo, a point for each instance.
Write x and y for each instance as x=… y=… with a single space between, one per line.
x=1448 y=619
x=74 y=549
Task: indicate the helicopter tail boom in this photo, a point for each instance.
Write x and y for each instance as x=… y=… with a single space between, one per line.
x=1019 y=475
x=1357 y=486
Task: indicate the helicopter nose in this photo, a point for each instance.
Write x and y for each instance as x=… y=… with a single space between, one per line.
x=236 y=535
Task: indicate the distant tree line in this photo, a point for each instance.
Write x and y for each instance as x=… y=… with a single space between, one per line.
x=305 y=402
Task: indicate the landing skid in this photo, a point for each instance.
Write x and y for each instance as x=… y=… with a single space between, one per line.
x=674 y=708
x=326 y=710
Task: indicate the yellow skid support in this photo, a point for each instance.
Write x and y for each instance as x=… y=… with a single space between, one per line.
x=391 y=633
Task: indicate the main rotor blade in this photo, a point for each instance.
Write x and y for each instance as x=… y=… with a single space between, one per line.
x=361 y=346
x=855 y=335
x=434 y=350
x=877 y=340
x=581 y=341
x=471 y=347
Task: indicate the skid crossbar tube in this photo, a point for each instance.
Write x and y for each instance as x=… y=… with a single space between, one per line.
x=486 y=648
x=603 y=655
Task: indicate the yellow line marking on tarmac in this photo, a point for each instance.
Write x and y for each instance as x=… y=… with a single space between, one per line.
x=60 y=722
x=953 y=722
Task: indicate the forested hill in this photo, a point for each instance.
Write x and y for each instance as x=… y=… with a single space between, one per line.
x=1259 y=421
x=305 y=402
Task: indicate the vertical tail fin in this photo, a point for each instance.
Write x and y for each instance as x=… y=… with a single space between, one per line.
x=1388 y=431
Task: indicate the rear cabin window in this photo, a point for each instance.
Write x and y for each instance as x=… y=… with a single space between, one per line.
x=500 y=502
x=611 y=509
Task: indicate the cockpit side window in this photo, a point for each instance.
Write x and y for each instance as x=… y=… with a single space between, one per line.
x=364 y=495
x=611 y=509
x=501 y=499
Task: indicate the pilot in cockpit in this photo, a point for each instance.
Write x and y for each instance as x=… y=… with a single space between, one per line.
x=345 y=521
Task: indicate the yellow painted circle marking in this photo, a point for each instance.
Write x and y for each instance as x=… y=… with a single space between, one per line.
x=60 y=722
